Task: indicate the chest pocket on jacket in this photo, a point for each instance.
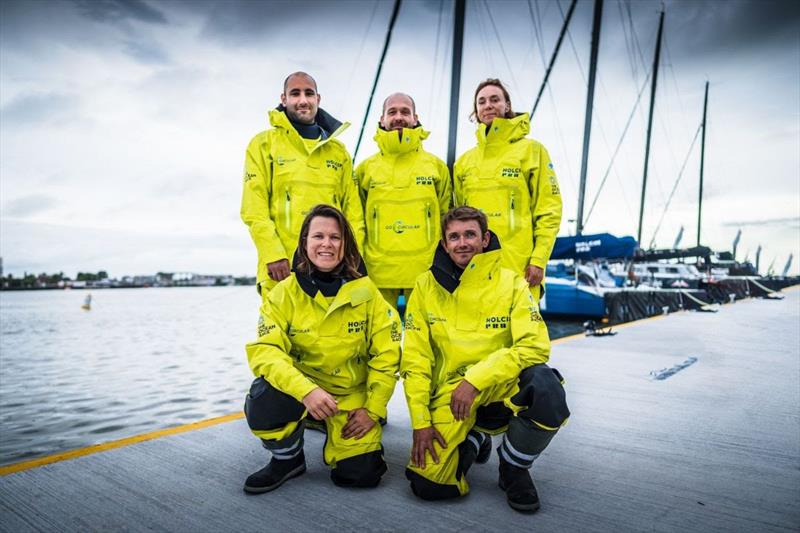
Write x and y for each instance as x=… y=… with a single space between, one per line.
x=343 y=338
x=399 y=227
x=501 y=203
x=296 y=199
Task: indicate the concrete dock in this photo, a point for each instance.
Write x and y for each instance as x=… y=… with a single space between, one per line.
x=715 y=446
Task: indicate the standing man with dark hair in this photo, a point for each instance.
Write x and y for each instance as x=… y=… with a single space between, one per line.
x=404 y=190
x=289 y=169
x=474 y=364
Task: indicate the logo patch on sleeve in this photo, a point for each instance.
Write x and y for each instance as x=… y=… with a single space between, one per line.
x=263 y=327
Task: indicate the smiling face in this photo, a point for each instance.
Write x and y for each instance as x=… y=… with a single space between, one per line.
x=463 y=240
x=324 y=243
x=490 y=103
x=398 y=113
x=300 y=98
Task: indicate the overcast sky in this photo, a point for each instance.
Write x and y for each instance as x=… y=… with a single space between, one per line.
x=123 y=123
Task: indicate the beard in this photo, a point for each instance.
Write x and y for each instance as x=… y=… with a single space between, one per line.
x=297 y=117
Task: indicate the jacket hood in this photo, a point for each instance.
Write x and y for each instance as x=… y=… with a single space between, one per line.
x=389 y=142
x=328 y=283
x=505 y=130
x=324 y=120
x=445 y=271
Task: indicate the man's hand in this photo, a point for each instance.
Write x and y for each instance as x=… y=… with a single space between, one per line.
x=358 y=424
x=423 y=442
x=462 y=398
x=320 y=404
x=279 y=269
x=534 y=275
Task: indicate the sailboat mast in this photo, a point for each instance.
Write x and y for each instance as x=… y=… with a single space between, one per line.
x=702 y=161
x=455 y=79
x=555 y=55
x=587 y=121
x=392 y=20
x=650 y=123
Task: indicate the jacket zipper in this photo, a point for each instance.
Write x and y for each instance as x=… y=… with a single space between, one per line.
x=375 y=226
x=288 y=209
x=512 y=221
x=428 y=227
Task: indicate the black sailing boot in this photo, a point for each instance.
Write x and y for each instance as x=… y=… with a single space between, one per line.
x=486 y=449
x=520 y=490
x=476 y=448
x=275 y=474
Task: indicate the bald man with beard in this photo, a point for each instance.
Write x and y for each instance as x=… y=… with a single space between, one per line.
x=290 y=168
x=405 y=191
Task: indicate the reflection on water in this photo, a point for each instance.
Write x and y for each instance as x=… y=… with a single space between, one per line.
x=140 y=360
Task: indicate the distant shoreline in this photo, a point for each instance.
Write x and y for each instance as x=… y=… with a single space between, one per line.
x=99 y=288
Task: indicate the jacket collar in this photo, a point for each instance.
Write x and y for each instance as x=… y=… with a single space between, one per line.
x=329 y=125
x=328 y=286
x=504 y=130
x=389 y=142
x=449 y=276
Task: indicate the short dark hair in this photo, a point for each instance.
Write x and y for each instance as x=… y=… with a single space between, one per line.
x=351 y=258
x=299 y=73
x=465 y=212
x=497 y=83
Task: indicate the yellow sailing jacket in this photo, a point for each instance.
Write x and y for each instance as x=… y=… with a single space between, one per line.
x=405 y=191
x=348 y=346
x=511 y=179
x=484 y=328
x=284 y=179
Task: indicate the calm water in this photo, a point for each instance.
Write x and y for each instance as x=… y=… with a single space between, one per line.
x=140 y=360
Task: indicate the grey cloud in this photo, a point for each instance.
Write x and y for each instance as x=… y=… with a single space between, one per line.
x=146 y=52
x=31 y=28
x=717 y=26
x=120 y=10
x=120 y=13
x=28 y=205
x=244 y=21
x=786 y=221
x=35 y=107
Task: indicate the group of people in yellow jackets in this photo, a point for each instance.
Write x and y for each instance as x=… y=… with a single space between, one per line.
x=336 y=247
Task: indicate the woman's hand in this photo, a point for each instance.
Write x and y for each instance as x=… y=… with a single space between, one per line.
x=320 y=404
x=358 y=424
x=534 y=275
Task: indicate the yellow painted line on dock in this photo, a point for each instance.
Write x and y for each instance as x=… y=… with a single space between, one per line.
x=97 y=448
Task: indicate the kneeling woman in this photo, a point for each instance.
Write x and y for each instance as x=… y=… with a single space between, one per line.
x=329 y=348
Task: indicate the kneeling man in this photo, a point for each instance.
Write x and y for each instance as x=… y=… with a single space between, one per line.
x=474 y=365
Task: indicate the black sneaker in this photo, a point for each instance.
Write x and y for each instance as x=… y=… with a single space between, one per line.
x=275 y=474
x=518 y=485
x=486 y=450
